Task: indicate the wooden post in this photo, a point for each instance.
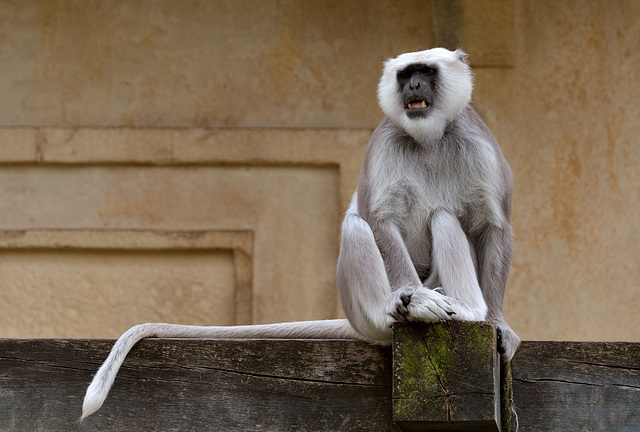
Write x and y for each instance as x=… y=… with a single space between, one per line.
x=446 y=376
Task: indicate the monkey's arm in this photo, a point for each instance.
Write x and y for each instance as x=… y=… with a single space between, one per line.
x=400 y=269
x=405 y=284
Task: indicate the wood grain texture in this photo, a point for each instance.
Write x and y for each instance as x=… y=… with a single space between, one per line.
x=577 y=386
x=189 y=385
x=212 y=385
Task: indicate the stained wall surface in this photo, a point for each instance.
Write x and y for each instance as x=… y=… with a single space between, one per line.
x=190 y=161
x=568 y=116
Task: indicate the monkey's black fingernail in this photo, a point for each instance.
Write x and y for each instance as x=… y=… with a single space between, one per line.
x=406 y=299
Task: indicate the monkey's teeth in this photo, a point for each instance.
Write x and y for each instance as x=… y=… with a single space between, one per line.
x=417 y=105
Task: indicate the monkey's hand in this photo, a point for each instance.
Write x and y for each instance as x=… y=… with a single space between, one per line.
x=419 y=304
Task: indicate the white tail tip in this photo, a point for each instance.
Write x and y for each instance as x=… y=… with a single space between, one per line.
x=93 y=399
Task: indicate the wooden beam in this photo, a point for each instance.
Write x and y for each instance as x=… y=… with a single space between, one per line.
x=446 y=376
x=208 y=385
x=199 y=385
x=577 y=386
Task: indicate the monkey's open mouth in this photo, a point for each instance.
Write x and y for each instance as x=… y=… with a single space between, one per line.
x=416 y=105
x=416 y=108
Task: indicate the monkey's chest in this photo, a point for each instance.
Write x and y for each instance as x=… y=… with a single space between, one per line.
x=463 y=200
x=450 y=191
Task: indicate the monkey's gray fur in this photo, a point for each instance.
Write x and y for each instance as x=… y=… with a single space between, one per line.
x=428 y=234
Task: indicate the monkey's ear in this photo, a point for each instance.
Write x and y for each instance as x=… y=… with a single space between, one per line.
x=462 y=56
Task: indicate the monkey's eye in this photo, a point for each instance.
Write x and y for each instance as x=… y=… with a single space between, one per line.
x=404 y=75
x=430 y=71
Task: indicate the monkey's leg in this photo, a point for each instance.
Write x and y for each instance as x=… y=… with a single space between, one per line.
x=454 y=263
x=494 y=256
x=368 y=299
x=362 y=280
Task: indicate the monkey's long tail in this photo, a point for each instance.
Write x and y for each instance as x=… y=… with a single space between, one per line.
x=106 y=375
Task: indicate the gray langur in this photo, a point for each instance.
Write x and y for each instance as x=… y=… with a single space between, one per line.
x=427 y=236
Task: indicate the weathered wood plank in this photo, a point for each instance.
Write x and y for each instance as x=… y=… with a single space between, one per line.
x=208 y=385
x=446 y=376
x=506 y=397
x=190 y=385
x=577 y=386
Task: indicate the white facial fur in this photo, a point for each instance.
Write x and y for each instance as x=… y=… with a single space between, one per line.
x=453 y=91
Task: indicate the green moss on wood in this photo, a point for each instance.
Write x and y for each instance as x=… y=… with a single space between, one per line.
x=506 y=396
x=445 y=374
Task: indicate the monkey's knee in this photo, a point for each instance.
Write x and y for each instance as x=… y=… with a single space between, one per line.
x=358 y=249
x=354 y=228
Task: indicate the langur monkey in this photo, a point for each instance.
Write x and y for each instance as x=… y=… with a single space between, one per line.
x=427 y=236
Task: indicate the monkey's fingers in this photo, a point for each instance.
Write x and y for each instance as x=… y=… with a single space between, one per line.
x=397 y=304
x=429 y=305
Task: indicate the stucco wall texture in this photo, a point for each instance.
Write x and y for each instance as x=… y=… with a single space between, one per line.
x=243 y=115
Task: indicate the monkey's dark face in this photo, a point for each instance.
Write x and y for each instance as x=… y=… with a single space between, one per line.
x=421 y=92
x=417 y=84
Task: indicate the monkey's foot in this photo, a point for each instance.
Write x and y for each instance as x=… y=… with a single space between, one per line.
x=418 y=304
x=508 y=340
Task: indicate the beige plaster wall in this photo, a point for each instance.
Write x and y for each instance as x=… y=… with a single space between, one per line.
x=249 y=119
x=200 y=63
x=568 y=118
x=158 y=286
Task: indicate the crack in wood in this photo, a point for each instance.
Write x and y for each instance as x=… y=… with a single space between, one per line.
x=125 y=373
x=447 y=394
x=52 y=364
x=629 y=368
x=554 y=380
